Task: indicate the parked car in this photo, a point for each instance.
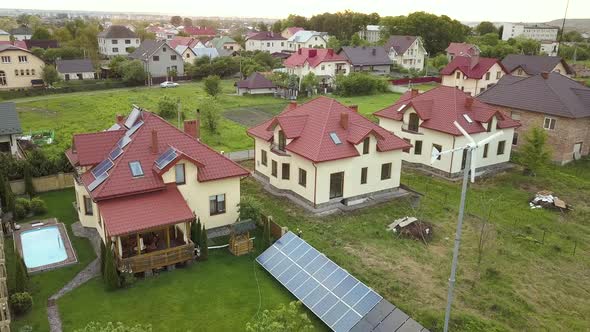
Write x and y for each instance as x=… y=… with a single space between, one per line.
x=168 y=84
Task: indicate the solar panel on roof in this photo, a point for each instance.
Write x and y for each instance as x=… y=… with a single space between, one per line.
x=466 y=116
x=98 y=180
x=114 y=127
x=103 y=167
x=133 y=129
x=166 y=157
x=132 y=118
x=335 y=138
x=124 y=141
x=331 y=293
x=115 y=153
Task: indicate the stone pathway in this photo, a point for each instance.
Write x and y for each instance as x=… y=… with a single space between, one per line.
x=89 y=272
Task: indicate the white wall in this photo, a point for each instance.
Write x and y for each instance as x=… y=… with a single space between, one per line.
x=413 y=58
x=470 y=85
x=313 y=42
x=116 y=46
x=256 y=91
x=74 y=76
x=12 y=140
x=270 y=46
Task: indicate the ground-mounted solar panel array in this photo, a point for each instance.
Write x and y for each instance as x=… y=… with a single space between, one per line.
x=340 y=300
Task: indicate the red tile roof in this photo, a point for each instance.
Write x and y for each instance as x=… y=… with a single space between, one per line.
x=186 y=41
x=472 y=67
x=294 y=30
x=462 y=49
x=91 y=149
x=120 y=182
x=310 y=125
x=313 y=56
x=141 y=212
x=198 y=31
x=441 y=106
x=16 y=43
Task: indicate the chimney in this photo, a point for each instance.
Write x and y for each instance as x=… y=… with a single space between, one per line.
x=344 y=120
x=414 y=93
x=154 y=141
x=120 y=118
x=312 y=52
x=469 y=102
x=355 y=108
x=374 y=51
x=191 y=127
x=292 y=105
x=545 y=75
x=330 y=52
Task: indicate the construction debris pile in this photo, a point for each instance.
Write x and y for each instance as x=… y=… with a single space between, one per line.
x=546 y=199
x=412 y=228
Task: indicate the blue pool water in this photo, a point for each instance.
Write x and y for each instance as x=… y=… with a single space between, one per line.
x=42 y=246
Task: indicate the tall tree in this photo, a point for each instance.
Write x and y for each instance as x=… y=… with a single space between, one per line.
x=176 y=20
x=277 y=26
x=111 y=276
x=49 y=74
x=295 y=21
x=41 y=33
x=187 y=22
x=535 y=154
x=261 y=26
x=485 y=27
x=204 y=244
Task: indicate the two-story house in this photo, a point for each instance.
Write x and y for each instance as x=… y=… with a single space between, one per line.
x=461 y=49
x=324 y=153
x=371 y=33
x=554 y=102
x=159 y=59
x=143 y=182
x=406 y=51
x=425 y=120
x=19 y=68
x=117 y=40
x=323 y=62
x=225 y=43
x=9 y=128
x=373 y=59
x=266 y=41
x=472 y=74
x=308 y=39
x=530 y=65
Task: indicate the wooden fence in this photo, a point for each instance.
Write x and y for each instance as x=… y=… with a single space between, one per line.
x=45 y=183
x=276 y=230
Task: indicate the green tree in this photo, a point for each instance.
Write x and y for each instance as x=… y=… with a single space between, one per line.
x=573 y=36
x=286 y=318
x=309 y=83
x=41 y=33
x=196 y=232
x=358 y=84
x=356 y=40
x=29 y=188
x=133 y=72
x=114 y=327
x=534 y=154
x=211 y=113
x=49 y=75
x=204 y=244
x=103 y=252
x=176 y=20
x=167 y=107
x=187 y=22
x=295 y=21
x=212 y=85
x=485 y=27
x=261 y=26
x=528 y=46
x=21 y=275
x=116 y=65
x=9 y=198
x=333 y=43
x=111 y=275
x=277 y=27
x=440 y=61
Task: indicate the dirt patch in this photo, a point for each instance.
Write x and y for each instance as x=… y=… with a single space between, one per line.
x=252 y=115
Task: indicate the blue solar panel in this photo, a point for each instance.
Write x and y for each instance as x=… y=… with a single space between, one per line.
x=133 y=129
x=132 y=118
x=166 y=158
x=103 y=167
x=115 y=153
x=100 y=179
x=124 y=141
x=330 y=292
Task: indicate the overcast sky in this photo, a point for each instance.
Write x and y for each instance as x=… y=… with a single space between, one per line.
x=463 y=10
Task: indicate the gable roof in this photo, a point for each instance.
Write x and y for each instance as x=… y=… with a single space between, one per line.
x=303 y=36
x=256 y=81
x=555 y=95
x=462 y=49
x=294 y=30
x=185 y=41
x=44 y=44
x=441 y=106
x=2 y=32
x=211 y=164
x=91 y=148
x=267 y=35
x=311 y=125
x=198 y=31
x=74 y=66
x=117 y=31
x=313 y=56
x=472 y=67
x=218 y=42
x=400 y=44
x=9 y=122
x=149 y=47
x=17 y=43
x=534 y=64
x=366 y=56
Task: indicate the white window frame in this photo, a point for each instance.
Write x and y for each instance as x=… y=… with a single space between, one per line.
x=547 y=121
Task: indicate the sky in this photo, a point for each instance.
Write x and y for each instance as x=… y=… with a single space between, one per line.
x=463 y=10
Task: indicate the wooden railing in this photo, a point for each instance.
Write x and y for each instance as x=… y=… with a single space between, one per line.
x=157 y=259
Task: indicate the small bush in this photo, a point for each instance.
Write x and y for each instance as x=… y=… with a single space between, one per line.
x=167 y=107
x=21 y=303
x=212 y=85
x=359 y=84
x=24 y=203
x=38 y=206
x=250 y=209
x=20 y=212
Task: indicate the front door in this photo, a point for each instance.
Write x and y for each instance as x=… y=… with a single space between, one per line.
x=577 y=150
x=67 y=76
x=336 y=185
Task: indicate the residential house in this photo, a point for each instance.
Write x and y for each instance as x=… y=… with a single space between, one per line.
x=255 y=84
x=324 y=153
x=266 y=41
x=143 y=182
x=472 y=74
x=159 y=59
x=9 y=128
x=4 y=36
x=117 y=40
x=290 y=31
x=224 y=42
x=199 y=32
x=367 y=58
x=309 y=39
x=21 y=33
x=78 y=69
x=17 y=43
x=163 y=33
x=44 y=44
x=539 y=32
x=323 y=62
x=461 y=49
x=189 y=54
x=406 y=51
x=371 y=33
x=426 y=120
x=529 y=65
x=186 y=41
x=19 y=68
x=554 y=102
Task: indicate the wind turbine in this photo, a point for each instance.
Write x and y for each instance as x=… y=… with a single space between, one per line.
x=470 y=166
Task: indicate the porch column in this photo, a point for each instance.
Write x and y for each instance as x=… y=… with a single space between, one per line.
x=188 y=231
x=138 y=244
x=168 y=236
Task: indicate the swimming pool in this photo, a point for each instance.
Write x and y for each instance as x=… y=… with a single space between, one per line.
x=43 y=246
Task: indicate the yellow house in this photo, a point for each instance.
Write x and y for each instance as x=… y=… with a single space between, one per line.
x=19 y=68
x=324 y=153
x=426 y=121
x=472 y=74
x=4 y=36
x=142 y=183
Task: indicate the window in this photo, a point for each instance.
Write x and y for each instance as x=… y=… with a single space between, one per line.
x=179 y=170
x=188 y=55
x=2 y=78
x=114 y=42
x=302 y=177
x=438 y=149
x=156 y=58
x=458 y=75
x=549 y=123
x=22 y=59
x=173 y=57
x=22 y=72
x=163 y=49
x=413 y=122
x=127 y=41
x=386 y=171
x=487 y=76
x=274 y=169
x=366 y=145
x=498 y=75
x=485 y=150
x=264 y=157
x=216 y=204
x=407 y=150
x=418 y=147
x=364 y=172
x=515 y=139
x=33 y=72
x=115 y=50
x=519 y=72
x=88 y=206
x=28 y=72
x=136 y=169
x=323 y=67
x=282 y=141
x=501 y=146
x=481 y=90
x=286 y=171
x=515 y=115
x=5 y=59
x=16 y=72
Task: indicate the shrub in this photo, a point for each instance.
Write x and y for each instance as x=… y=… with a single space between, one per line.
x=21 y=275
x=110 y=275
x=20 y=212
x=114 y=327
x=286 y=318
x=29 y=188
x=38 y=206
x=249 y=208
x=133 y=72
x=212 y=85
x=24 y=203
x=196 y=232
x=204 y=244
x=210 y=110
x=21 y=302
x=167 y=107
x=358 y=84
x=534 y=154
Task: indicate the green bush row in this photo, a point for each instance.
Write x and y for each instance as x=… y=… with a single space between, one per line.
x=5 y=95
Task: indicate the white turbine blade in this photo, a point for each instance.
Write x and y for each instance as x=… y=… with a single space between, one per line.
x=472 y=166
x=469 y=138
x=436 y=153
x=490 y=138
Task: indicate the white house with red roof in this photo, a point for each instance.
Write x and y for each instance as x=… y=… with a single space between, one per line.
x=142 y=182
x=461 y=49
x=406 y=51
x=425 y=120
x=324 y=153
x=323 y=62
x=472 y=74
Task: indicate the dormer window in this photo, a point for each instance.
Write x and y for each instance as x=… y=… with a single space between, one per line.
x=282 y=141
x=413 y=122
x=366 y=145
x=136 y=169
